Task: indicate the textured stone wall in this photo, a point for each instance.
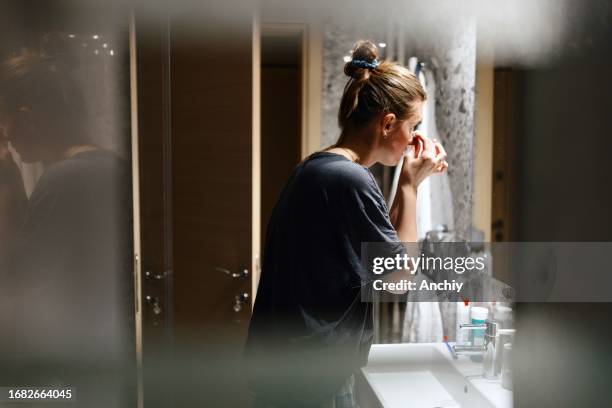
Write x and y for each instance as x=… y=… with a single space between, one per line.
x=453 y=61
x=337 y=42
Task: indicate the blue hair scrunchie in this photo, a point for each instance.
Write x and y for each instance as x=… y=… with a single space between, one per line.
x=365 y=64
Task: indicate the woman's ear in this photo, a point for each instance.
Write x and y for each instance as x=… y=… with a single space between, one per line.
x=387 y=122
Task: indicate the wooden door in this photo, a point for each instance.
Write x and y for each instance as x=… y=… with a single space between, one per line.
x=195 y=107
x=505 y=159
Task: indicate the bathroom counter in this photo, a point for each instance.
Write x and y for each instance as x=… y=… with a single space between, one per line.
x=426 y=375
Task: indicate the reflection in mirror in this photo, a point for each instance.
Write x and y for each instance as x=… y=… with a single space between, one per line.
x=67 y=304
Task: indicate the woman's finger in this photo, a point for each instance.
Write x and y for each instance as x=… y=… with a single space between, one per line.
x=417 y=145
x=441 y=156
x=440 y=148
x=429 y=148
x=440 y=151
x=442 y=167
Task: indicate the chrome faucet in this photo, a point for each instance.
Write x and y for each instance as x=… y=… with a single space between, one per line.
x=489 y=337
x=488 y=348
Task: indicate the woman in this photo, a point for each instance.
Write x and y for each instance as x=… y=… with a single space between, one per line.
x=310 y=329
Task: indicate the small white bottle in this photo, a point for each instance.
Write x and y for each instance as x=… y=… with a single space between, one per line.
x=503 y=315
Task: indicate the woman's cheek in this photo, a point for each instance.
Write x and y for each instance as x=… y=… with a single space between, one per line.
x=398 y=151
x=400 y=146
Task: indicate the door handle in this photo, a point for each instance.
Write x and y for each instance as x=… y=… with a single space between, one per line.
x=150 y=276
x=242 y=274
x=154 y=303
x=239 y=300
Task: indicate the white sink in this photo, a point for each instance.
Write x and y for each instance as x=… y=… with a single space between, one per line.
x=424 y=375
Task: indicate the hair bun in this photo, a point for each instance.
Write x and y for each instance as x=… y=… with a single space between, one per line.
x=364 y=51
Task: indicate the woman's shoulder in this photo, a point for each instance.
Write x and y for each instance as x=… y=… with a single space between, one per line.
x=333 y=168
x=82 y=172
x=341 y=179
x=82 y=164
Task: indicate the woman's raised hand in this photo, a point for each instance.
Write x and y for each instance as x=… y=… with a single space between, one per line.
x=428 y=157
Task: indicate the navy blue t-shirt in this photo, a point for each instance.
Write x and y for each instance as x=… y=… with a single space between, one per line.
x=310 y=329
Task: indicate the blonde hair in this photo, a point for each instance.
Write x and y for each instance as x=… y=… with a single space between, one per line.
x=376 y=87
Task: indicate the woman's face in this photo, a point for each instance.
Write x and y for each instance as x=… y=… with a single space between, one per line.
x=399 y=136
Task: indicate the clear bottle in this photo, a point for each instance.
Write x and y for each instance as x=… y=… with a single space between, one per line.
x=489 y=362
x=463 y=317
x=506 y=377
